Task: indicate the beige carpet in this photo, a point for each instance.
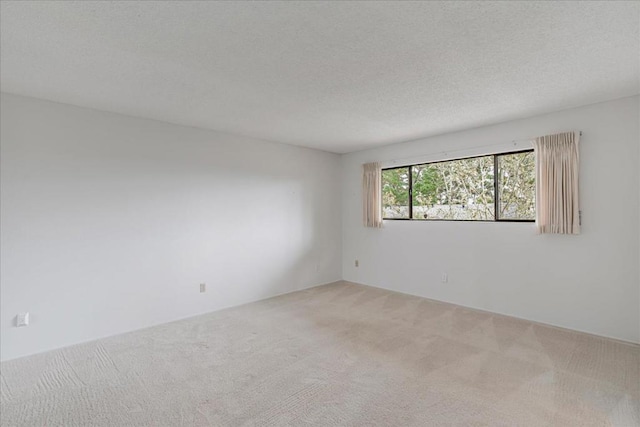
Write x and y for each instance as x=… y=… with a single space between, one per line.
x=335 y=355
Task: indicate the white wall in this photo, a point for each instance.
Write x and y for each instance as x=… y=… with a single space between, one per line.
x=109 y=223
x=588 y=282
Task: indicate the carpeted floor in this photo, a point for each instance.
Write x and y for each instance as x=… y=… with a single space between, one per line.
x=335 y=355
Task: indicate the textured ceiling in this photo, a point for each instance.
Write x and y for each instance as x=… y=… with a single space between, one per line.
x=338 y=76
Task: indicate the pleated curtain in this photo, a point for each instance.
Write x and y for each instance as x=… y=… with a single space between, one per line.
x=372 y=195
x=557 y=199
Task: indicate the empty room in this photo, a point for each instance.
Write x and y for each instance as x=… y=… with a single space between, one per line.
x=319 y=213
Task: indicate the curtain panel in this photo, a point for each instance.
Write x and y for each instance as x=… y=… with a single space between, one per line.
x=372 y=195
x=557 y=200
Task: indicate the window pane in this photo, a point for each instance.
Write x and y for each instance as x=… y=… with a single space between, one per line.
x=455 y=190
x=516 y=186
x=395 y=193
x=427 y=188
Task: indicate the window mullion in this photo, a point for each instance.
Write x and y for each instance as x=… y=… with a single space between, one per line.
x=496 y=195
x=411 y=192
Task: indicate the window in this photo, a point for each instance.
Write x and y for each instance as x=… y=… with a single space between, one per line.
x=395 y=193
x=516 y=185
x=498 y=187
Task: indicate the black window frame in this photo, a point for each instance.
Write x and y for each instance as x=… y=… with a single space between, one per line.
x=496 y=198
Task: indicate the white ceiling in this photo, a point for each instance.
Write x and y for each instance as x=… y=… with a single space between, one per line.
x=338 y=76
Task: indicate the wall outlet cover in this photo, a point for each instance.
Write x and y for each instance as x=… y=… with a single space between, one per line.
x=22 y=319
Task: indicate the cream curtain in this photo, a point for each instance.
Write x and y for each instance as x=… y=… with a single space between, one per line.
x=372 y=195
x=557 y=166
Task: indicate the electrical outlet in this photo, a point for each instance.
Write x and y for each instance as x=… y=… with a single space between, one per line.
x=203 y=287
x=444 y=278
x=22 y=319
x=357 y=263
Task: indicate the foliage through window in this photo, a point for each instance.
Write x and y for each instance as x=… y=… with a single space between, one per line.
x=498 y=187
